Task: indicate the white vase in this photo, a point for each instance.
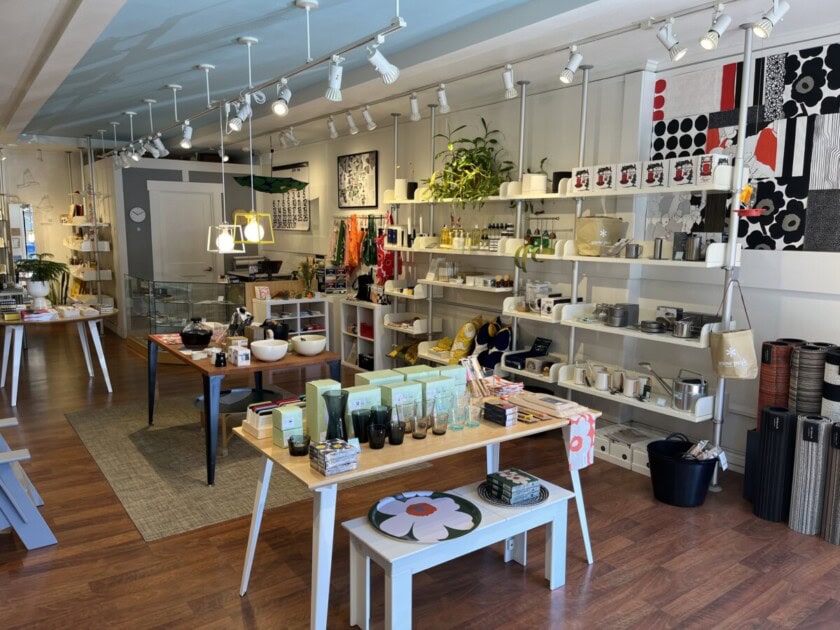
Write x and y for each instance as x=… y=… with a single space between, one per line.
x=39 y=290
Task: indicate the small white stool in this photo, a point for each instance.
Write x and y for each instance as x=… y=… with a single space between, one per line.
x=401 y=560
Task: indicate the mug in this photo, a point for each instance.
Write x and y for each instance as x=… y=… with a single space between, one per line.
x=602 y=381
x=579 y=373
x=617 y=380
x=631 y=387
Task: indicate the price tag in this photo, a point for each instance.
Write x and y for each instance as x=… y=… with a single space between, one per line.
x=722 y=461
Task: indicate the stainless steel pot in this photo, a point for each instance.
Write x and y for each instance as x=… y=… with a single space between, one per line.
x=684 y=329
x=688 y=390
x=694 y=247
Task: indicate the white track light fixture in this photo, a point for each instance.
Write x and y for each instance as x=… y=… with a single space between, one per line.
x=415 y=107
x=765 y=25
x=720 y=22
x=369 y=122
x=134 y=154
x=186 y=136
x=2 y=156
x=575 y=59
x=336 y=71
x=507 y=77
x=670 y=42
x=174 y=87
x=151 y=148
x=351 y=124
x=330 y=126
x=442 y=101
x=388 y=71
x=280 y=107
x=224 y=157
x=291 y=137
x=243 y=111
x=158 y=143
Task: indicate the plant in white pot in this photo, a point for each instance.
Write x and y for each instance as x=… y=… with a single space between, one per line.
x=42 y=272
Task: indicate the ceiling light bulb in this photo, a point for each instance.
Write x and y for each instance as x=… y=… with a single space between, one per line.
x=507 y=77
x=670 y=42
x=186 y=137
x=415 y=107
x=575 y=59
x=224 y=241
x=330 y=126
x=441 y=95
x=369 y=122
x=720 y=22
x=254 y=231
x=351 y=124
x=388 y=71
x=243 y=111
x=133 y=154
x=224 y=157
x=765 y=25
x=336 y=71
x=281 y=106
x=162 y=150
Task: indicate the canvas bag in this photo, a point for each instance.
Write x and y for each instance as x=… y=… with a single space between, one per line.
x=733 y=351
x=596 y=233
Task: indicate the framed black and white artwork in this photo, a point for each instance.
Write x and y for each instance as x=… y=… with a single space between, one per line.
x=290 y=209
x=358 y=180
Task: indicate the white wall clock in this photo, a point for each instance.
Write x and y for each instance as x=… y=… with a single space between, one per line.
x=137 y=214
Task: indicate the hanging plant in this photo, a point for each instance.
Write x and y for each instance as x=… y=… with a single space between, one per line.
x=472 y=168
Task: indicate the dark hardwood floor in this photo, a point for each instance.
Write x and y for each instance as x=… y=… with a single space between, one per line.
x=655 y=565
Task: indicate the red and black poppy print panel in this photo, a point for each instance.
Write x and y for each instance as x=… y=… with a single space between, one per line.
x=781 y=225
x=812 y=82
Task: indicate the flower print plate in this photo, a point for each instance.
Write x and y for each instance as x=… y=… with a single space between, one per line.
x=484 y=493
x=424 y=516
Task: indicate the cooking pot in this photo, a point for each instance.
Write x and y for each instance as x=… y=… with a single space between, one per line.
x=278 y=327
x=688 y=390
x=694 y=247
x=684 y=328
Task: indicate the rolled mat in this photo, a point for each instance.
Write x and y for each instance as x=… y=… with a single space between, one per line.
x=831 y=385
x=774 y=378
x=813 y=434
x=807 y=372
x=777 y=438
x=831 y=502
x=751 y=464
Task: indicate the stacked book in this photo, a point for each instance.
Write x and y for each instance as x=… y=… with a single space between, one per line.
x=535 y=407
x=513 y=486
x=332 y=457
x=258 y=419
x=500 y=412
x=39 y=315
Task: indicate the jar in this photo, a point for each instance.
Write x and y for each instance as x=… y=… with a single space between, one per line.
x=535 y=291
x=196 y=335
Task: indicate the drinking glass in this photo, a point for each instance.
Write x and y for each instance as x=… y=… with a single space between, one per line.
x=396 y=432
x=459 y=414
x=377 y=435
x=421 y=427
x=474 y=417
x=442 y=412
x=361 y=420
x=407 y=413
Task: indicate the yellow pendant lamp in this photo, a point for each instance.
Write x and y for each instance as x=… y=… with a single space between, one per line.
x=256 y=228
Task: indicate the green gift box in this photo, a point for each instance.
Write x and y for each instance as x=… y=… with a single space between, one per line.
x=457 y=373
x=394 y=394
x=360 y=397
x=434 y=387
x=287 y=417
x=413 y=372
x=379 y=377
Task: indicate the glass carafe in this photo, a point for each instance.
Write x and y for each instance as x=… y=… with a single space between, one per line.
x=336 y=403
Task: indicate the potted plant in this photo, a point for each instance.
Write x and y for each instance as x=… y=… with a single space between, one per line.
x=42 y=272
x=306 y=269
x=472 y=168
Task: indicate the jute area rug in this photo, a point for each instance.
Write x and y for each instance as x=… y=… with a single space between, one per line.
x=159 y=472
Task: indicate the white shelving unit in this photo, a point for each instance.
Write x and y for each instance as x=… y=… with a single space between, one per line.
x=509 y=309
x=394 y=288
x=551 y=379
x=91 y=245
x=399 y=322
x=465 y=287
x=299 y=315
x=424 y=351
x=85 y=245
x=358 y=318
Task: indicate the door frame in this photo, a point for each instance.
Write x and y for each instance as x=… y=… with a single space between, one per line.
x=155 y=187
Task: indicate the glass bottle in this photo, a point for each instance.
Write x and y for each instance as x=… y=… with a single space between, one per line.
x=444 y=237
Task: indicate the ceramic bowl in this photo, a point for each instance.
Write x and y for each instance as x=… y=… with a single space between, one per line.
x=269 y=349
x=309 y=345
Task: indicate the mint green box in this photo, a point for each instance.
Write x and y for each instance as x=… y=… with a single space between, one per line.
x=394 y=394
x=316 y=408
x=457 y=373
x=287 y=417
x=434 y=387
x=281 y=438
x=360 y=397
x=413 y=372
x=379 y=377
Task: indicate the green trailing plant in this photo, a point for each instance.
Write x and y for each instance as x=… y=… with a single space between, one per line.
x=40 y=268
x=473 y=168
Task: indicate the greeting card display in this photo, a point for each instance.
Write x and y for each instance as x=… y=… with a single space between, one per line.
x=706 y=165
x=655 y=174
x=604 y=177
x=682 y=172
x=581 y=180
x=628 y=175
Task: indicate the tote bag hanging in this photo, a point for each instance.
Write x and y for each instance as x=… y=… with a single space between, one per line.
x=733 y=351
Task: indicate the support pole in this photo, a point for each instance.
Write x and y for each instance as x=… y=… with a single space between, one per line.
x=584 y=104
x=432 y=132
x=732 y=244
x=94 y=219
x=517 y=227
x=396 y=118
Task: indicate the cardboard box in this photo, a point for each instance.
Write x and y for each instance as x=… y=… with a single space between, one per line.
x=706 y=165
x=394 y=394
x=581 y=180
x=378 y=377
x=434 y=387
x=281 y=438
x=316 y=408
x=655 y=174
x=239 y=356
x=628 y=175
x=604 y=177
x=259 y=433
x=413 y=372
x=254 y=333
x=682 y=172
x=287 y=417
x=360 y=397
x=231 y=342
x=457 y=373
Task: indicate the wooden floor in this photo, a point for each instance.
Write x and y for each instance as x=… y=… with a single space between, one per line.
x=656 y=566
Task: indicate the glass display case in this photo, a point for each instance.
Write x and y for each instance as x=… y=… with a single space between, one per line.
x=166 y=307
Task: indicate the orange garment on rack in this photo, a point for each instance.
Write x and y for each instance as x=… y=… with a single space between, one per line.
x=354 y=244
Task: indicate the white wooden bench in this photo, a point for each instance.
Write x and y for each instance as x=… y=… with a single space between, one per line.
x=401 y=560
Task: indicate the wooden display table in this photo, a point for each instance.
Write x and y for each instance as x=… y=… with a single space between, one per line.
x=212 y=377
x=15 y=331
x=372 y=462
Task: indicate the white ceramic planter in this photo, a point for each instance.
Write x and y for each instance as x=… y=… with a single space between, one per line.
x=39 y=291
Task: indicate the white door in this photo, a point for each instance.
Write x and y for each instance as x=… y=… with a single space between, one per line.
x=180 y=214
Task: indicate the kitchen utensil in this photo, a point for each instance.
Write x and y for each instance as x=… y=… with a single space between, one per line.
x=632 y=250
x=579 y=374
x=309 y=345
x=688 y=390
x=657 y=248
x=694 y=247
x=602 y=381
x=631 y=387
x=269 y=349
x=617 y=380
x=616 y=316
x=652 y=326
x=647 y=366
x=684 y=329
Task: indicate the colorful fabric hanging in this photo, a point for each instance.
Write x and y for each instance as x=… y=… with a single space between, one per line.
x=369 y=243
x=340 y=245
x=354 y=244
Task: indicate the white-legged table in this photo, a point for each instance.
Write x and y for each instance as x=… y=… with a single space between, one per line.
x=13 y=344
x=372 y=462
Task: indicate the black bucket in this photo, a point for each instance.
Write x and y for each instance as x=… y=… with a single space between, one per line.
x=677 y=481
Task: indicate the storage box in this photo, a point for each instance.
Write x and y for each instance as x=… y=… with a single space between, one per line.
x=603 y=177
x=360 y=397
x=639 y=459
x=435 y=386
x=258 y=433
x=394 y=394
x=682 y=172
x=457 y=373
x=239 y=356
x=581 y=180
x=414 y=372
x=281 y=438
x=287 y=417
x=628 y=175
x=316 y=408
x=706 y=165
x=379 y=377
x=655 y=174
x=232 y=342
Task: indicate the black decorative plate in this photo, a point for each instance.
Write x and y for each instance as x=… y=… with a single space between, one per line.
x=424 y=516
x=484 y=493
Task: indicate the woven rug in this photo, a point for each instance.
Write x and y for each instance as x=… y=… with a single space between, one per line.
x=159 y=474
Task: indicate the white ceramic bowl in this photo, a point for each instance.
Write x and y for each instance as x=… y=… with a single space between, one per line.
x=269 y=349
x=309 y=345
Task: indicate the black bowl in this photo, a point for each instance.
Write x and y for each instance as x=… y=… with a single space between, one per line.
x=196 y=339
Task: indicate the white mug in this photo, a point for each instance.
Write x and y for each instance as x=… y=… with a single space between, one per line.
x=617 y=379
x=602 y=381
x=630 y=387
x=579 y=372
